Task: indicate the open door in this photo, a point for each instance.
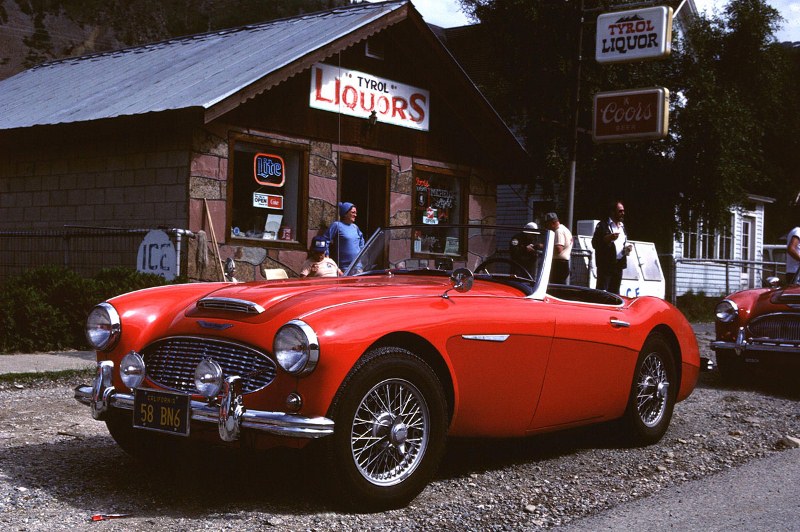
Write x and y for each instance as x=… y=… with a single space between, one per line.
x=366 y=183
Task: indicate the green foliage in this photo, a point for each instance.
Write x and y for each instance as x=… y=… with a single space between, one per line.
x=45 y=309
x=697 y=307
x=734 y=113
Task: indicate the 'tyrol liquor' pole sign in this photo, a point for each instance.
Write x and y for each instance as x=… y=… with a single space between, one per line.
x=634 y=35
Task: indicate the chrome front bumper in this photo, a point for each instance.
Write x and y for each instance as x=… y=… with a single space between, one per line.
x=743 y=345
x=230 y=415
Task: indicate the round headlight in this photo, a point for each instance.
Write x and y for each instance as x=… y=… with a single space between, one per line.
x=296 y=348
x=103 y=327
x=132 y=370
x=208 y=378
x=726 y=311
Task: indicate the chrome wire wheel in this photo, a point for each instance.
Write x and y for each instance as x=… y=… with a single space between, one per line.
x=652 y=390
x=390 y=432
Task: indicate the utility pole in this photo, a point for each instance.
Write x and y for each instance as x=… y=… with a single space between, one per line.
x=573 y=156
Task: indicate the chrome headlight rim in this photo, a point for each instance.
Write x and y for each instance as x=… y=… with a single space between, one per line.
x=726 y=311
x=105 y=337
x=132 y=370
x=297 y=362
x=208 y=378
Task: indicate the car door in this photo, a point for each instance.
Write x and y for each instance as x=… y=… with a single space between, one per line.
x=588 y=374
x=499 y=358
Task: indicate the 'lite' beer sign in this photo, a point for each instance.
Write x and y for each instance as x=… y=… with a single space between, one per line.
x=631 y=115
x=355 y=93
x=269 y=170
x=634 y=35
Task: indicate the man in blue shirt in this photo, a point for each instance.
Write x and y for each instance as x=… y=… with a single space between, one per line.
x=345 y=238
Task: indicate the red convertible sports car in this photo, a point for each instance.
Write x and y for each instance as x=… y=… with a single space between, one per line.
x=439 y=333
x=758 y=326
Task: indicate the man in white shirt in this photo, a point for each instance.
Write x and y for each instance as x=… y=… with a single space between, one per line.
x=563 y=249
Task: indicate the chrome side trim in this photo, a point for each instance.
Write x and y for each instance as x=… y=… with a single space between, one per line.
x=486 y=337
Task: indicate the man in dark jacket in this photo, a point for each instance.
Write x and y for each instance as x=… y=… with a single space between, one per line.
x=611 y=249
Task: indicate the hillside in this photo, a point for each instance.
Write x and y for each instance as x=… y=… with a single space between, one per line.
x=35 y=31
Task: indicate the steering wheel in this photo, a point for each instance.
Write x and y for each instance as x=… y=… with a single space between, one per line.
x=515 y=266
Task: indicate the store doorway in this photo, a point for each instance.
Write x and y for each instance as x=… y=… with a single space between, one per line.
x=366 y=184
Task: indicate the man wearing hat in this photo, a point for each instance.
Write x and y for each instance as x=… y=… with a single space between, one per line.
x=318 y=264
x=522 y=247
x=562 y=249
x=344 y=236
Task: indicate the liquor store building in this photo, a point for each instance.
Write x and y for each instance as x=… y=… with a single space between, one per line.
x=246 y=139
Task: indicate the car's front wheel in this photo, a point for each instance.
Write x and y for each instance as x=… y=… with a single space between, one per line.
x=391 y=424
x=652 y=396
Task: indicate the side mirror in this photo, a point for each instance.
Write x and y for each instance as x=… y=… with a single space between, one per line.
x=773 y=282
x=461 y=281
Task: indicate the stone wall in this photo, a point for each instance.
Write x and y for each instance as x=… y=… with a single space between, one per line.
x=131 y=182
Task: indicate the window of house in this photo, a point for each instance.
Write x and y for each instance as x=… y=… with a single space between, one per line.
x=438 y=199
x=702 y=243
x=266 y=184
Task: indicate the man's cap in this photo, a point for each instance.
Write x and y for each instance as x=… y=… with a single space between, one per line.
x=344 y=207
x=318 y=243
x=550 y=217
x=531 y=225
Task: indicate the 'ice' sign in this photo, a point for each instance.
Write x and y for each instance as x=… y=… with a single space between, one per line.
x=157 y=255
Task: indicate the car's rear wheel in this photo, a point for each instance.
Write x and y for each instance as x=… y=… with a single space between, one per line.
x=652 y=396
x=391 y=424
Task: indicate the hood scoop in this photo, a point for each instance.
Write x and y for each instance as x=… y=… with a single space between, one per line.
x=228 y=304
x=787 y=298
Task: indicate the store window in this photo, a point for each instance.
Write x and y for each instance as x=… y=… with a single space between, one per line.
x=438 y=199
x=266 y=185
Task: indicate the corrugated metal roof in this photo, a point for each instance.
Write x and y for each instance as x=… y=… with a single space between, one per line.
x=196 y=71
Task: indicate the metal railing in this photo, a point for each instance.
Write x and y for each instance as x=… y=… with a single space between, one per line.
x=733 y=270
x=85 y=250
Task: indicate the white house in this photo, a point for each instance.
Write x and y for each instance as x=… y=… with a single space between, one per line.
x=723 y=261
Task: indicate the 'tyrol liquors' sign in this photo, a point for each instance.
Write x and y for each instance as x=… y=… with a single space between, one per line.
x=631 y=115
x=355 y=93
x=634 y=35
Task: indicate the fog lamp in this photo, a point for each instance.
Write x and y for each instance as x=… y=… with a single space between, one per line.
x=132 y=370
x=208 y=378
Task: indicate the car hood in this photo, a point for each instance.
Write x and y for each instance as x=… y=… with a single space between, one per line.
x=311 y=295
x=784 y=299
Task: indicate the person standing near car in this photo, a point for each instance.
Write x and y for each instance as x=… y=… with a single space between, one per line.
x=611 y=249
x=562 y=248
x=522 y=247
x=344 y=236
x=792 y=255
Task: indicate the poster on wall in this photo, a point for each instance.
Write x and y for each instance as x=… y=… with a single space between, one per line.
x=355 y=93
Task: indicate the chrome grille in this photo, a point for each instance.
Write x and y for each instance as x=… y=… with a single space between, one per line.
x=171 y=362
x=776 y=327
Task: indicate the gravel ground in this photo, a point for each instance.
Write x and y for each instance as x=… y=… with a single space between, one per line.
x=58 y=467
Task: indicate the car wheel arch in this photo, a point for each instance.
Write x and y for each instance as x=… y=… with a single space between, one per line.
x=669 y=335
x=428 y=353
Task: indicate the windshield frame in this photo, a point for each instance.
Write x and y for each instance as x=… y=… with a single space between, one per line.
x=540 y=277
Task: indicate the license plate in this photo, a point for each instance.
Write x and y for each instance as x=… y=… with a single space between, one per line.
x=161 y=411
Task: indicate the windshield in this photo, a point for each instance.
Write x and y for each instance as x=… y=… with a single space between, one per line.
x=498 y=250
